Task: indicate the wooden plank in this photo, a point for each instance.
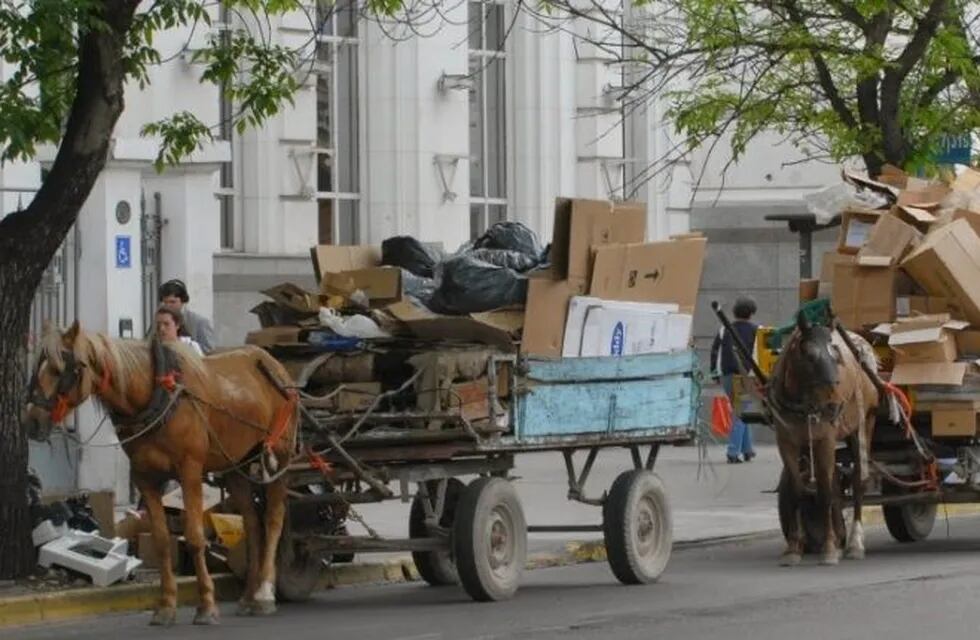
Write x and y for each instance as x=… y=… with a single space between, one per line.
x=604 y=407
x=625 y=368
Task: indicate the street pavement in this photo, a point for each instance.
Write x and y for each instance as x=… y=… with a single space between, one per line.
x=729 y=591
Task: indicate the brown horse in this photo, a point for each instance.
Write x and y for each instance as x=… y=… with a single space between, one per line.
x=217 y=414
x=819 y=395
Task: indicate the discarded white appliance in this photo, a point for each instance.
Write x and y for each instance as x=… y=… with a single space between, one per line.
x=105 y=561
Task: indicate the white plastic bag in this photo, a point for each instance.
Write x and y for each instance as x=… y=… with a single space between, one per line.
x=356 y=326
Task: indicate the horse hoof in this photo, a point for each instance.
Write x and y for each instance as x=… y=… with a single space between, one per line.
x=206 y=618
x=830 y=559
x=264 y=607
x=790 y=560
x=855 y=554
x=164 y=617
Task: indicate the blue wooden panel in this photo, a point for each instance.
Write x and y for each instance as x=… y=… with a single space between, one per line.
x=611 y=368
x=604 y=407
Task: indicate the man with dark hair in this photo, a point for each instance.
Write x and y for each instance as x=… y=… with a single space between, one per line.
x=173 y=295
x=727 y=366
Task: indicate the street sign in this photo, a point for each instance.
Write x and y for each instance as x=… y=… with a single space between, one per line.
x=124 y=257
x=955 y=149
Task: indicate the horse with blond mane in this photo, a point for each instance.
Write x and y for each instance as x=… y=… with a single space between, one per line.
x=179 y=416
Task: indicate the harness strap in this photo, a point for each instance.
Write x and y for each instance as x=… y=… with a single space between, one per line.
x=280 y=422
x=318 y=463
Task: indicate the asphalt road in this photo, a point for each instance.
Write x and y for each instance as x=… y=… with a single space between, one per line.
x=927 y=590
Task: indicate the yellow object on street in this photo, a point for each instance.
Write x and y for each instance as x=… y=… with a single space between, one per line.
x=764 y=356
x=229 y=527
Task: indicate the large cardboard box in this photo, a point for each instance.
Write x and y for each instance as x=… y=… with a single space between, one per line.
x=968 y=343
x=930 y=373
x=271 y=336
x=855 y=228
x=582 y=225
x=497 y=328
x=612 y=330
x=382 y=285
x=328 y=258
x=653 y=272
x=947 y=263
x=921 y=219
x=546 y=314
x=928 y=196
x=863 y=295
x=579 y=306
x=973 y=217
x=952 y=419
x=890 y=237
x=925 y=339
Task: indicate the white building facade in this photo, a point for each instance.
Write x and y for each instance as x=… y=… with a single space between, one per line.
x=485 y=118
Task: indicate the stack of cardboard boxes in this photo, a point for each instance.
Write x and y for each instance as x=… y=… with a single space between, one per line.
x=908 y=277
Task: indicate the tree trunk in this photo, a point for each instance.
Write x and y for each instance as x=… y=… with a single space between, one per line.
x=17 y=287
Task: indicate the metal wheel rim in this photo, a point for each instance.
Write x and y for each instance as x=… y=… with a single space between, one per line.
x=647 y=528
x=501 y=543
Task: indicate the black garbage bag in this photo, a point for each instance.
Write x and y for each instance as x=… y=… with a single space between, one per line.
x=512 y=236
x=422 y=289
x=410 y=254
x=519 y=262
x=469 y=286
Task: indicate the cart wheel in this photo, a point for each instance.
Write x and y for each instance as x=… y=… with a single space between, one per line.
x=637 y=528
x=436 y=567
x=490 y=539
x=909 y=522
x=813 y=522
x=297 y=570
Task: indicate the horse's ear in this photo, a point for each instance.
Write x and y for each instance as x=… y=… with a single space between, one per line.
x=802 y=322
x=71 y=335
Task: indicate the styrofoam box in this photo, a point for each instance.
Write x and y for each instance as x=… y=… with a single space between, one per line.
x=598 y=327
x=579 y=306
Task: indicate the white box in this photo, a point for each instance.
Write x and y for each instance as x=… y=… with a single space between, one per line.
x=579 y=307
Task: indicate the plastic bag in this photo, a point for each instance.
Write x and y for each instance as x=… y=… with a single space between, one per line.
x=721 y=416
x=828 y=203
x=422 y=289
x=515 y=260
x=410 y=254
x=512 y=236
x=356 y=326
x=469 y=285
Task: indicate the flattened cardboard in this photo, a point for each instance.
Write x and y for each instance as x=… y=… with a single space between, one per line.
x=855 y=228
x=973 y=217
x=943 y=374
x=495 y=328
x=282 y=336
x=893 y=177
x=889 y=238
x=862 y=180
x=546 y=314
x=968 y=343
x=328 y=258
x=382 y=285
x=653 y=272
x=863 y=295
x=968 y=180
x=928 y=197
x=582 y=225
x=294 y=298
x=947 y=264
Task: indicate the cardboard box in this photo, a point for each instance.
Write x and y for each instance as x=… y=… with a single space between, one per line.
x=382 y=285
x=973 y=217
x=918 y=218
x=855 y=228
x=809 y=290
x=294 y=298
x=147 y=552
x=893 y=176
x=947 y=264
x=929 y=373
x=952 y=419
x=925 y=339
x=546 y=314
x=968 y=180
x=579 y=306
x=276 y=336
x=863 y=295
x=890 y=238
x=582 y=225
x=968 y=343
x=612 y=330
x=357 y=396
x=909 y=306
x=328 y=258
x=496 y=328
x=925 y=197
x=653 y=272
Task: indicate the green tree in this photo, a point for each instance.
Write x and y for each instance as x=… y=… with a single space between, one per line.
x=72 y=60
x=882 y=80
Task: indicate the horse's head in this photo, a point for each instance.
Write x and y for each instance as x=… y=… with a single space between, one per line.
x=815 y=359
x=61 y=381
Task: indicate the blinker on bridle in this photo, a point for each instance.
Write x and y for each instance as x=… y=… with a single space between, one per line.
x=57 y=404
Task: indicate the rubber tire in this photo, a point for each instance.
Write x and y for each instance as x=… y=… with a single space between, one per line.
x=633 y=494
x=910 y=522
x=296 y=576
x=813 y=527
x=476 y=506
x=437 y=568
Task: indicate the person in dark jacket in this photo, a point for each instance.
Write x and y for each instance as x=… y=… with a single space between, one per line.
x=727 y=366
x=173 y=295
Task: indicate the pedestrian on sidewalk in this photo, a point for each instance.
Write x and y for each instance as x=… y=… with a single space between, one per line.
x=728 y=368
x=173 y=295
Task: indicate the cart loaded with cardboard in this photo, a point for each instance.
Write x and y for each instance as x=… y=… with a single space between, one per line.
x=423 y=374
x=906 y=276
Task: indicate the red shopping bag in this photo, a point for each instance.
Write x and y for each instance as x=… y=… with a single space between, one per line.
x=721 y=416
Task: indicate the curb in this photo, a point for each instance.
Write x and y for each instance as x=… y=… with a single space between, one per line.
x=80 y=603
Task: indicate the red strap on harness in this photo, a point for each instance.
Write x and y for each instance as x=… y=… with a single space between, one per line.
x=282 y=420
x=318 y=463
x=60 y=409
x=169 y=380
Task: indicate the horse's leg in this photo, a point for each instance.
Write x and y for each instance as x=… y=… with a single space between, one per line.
x=166 y=612
x=790 y=454
x=275 y=513
x=191 y=482
x=859 y=449
x=825 y=468
x=241 y=494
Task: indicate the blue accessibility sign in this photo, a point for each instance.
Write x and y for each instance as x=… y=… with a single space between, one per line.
x=124 y=257
x=955 y=149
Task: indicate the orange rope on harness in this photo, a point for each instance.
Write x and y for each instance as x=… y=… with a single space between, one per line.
x=169 y=380
x=318 y=463
x=930 y=475
x=60 y=409
x=281 y=421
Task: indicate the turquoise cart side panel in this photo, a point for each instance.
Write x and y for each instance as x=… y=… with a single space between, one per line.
x=613 y=369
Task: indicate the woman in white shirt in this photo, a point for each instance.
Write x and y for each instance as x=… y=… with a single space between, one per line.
x=170 y=328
